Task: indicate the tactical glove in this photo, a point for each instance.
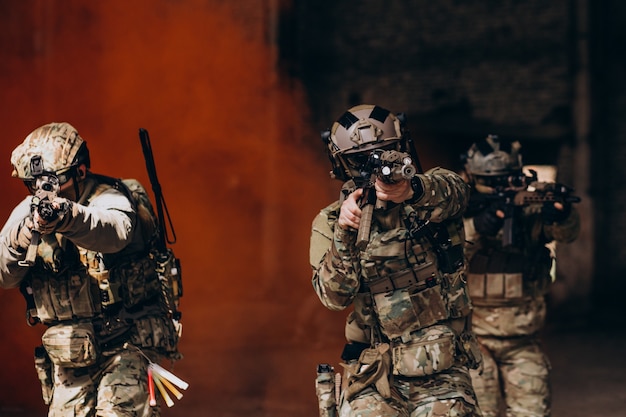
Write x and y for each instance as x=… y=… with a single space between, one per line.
x=551 y=214
x=487 y=222
x=21 y=234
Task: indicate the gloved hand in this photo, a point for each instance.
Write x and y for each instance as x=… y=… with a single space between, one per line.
x=555 y=212
x=490 y=220
x=21 y=234
x=50 y=214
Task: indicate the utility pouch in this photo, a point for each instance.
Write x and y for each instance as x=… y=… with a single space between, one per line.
x=138 y=281
x=403 y=311
x=372 y=368
x=429 y=351
x=71 y=346
x=158 y=333
x=43 y=366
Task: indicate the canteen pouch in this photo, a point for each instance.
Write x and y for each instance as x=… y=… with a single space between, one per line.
x=430 y=350
x=71 y=346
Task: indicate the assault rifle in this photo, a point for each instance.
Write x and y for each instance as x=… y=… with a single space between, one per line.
x=390 y=167
x=528 y=192
x=46 y=189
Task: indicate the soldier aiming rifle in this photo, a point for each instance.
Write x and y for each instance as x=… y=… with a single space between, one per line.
x=379 y=249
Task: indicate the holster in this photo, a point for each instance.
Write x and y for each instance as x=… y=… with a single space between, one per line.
x=43 y=366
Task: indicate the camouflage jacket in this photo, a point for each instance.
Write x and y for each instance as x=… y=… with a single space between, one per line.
x=396 y=282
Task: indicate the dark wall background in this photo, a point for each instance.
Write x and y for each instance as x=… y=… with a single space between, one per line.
x=234 y=95
x=529 y=70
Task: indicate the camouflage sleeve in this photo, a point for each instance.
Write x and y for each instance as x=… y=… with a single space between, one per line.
x=567 y=231
x=472 y=238
x=445 y=195
x=334 y=260
x=106 y=225
x=11 y=273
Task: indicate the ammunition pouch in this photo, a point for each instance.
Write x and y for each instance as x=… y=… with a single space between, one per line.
x=71 y=345
x=158 y=333
x=60 y=297
x=407 y=310
x=504 y=278
x=137 y=281
x=429 y=351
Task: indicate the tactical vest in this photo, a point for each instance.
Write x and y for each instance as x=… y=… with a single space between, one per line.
x=124 y=296
x=411 y=282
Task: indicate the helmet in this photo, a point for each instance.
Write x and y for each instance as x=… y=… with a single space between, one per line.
x=493 y=157
x=359 y=131
x=53 y=148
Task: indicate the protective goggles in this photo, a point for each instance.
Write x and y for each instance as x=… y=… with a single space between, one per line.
x=61 y=178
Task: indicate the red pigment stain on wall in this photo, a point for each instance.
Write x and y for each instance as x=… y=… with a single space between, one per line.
x=242 y=172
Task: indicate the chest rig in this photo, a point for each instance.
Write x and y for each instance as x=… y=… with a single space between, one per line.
x=502 y=275
x=411 y=273
x=70 y=283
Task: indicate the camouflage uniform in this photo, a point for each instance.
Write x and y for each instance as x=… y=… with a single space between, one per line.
x=509 y=222
x=409 y=309
x=507 y=286
x=95 y=288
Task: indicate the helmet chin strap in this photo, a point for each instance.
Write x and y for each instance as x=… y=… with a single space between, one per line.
x=78 y=176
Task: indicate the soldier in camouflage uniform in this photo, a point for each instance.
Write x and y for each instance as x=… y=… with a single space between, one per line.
x=91 y=280
x=409 y=340
x=508 y=279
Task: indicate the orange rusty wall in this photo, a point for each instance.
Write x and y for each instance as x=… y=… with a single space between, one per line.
x=241 y=179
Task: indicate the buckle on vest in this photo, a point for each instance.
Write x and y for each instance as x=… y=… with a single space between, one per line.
x=431 y=282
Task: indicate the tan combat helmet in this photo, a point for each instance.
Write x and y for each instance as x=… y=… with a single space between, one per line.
x=52 y=148
x=493 y=157
x=356 y=133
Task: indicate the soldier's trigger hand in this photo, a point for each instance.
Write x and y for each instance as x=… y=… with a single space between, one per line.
x=489 y=222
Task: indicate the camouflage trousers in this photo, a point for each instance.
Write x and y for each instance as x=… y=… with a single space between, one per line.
x=448 y=393
x=514 y=379
x=116 y=387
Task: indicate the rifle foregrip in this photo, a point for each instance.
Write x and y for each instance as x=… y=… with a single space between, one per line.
x=363 y=236
x=31 y=252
